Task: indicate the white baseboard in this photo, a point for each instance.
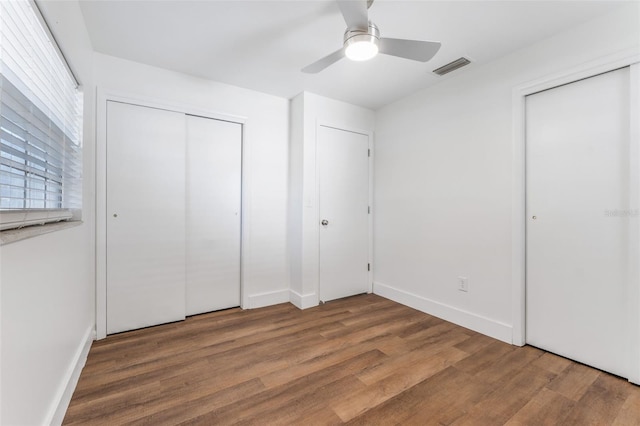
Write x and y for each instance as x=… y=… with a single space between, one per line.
x=303 y=301
x=469 y=320
x=261 y=300
x=65 y=391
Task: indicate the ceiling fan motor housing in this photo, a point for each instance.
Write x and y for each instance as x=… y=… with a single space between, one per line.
x=357 y=35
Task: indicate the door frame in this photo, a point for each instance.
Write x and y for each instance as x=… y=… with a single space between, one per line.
x=631 y=58
x=105 y=95
x=369 y=135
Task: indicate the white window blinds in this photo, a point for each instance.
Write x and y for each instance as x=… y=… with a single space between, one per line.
x=40 y=117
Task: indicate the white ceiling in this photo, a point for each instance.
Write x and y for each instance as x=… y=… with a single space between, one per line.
x=262 y=45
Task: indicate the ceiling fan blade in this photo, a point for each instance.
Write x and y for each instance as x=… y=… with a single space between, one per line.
x=410 y=49
x=355 y=13
x=323 y=63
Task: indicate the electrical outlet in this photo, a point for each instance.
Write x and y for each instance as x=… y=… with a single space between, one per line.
x=463 y=284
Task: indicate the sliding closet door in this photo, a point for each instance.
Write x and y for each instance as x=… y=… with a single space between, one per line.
x=145 y=216
x=578 y=220
x=214 y=155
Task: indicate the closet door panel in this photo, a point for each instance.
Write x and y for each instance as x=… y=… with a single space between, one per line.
x=578 y=187
x=146 y=245
x=214 y=158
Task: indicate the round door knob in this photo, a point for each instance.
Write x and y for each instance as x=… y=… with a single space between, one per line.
x=534 y=217
x=324 y=222
x=115 y=215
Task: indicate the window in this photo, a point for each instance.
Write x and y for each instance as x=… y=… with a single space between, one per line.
x=40 y=122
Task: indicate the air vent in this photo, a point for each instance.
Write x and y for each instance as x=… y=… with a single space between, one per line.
x=452 y=66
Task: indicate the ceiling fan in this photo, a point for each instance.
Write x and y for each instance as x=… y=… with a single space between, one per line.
x=362 y=40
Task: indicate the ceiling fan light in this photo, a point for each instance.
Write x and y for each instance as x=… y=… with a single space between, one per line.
x=361 y=50
x=360 y=44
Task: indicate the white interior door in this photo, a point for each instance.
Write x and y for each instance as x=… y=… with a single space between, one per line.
x=214 y=157
x=343 y=172
x=145 y=216
x=578 y=214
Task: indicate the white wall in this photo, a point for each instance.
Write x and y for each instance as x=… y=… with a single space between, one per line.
x=443 y=184
x=47 y=282
x=307 y=110
x=266 y=135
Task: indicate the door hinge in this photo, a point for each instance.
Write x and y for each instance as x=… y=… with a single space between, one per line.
x=368 y=209
x=368 y=266
x=369 y=153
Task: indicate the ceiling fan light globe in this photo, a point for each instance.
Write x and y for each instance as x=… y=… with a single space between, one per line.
x=361 y=50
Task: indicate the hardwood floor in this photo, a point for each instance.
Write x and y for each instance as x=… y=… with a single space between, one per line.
x=363 y=360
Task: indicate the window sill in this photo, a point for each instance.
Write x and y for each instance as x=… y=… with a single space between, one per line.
x=12 y=235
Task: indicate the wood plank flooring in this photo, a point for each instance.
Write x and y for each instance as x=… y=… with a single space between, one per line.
x=363 y=360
